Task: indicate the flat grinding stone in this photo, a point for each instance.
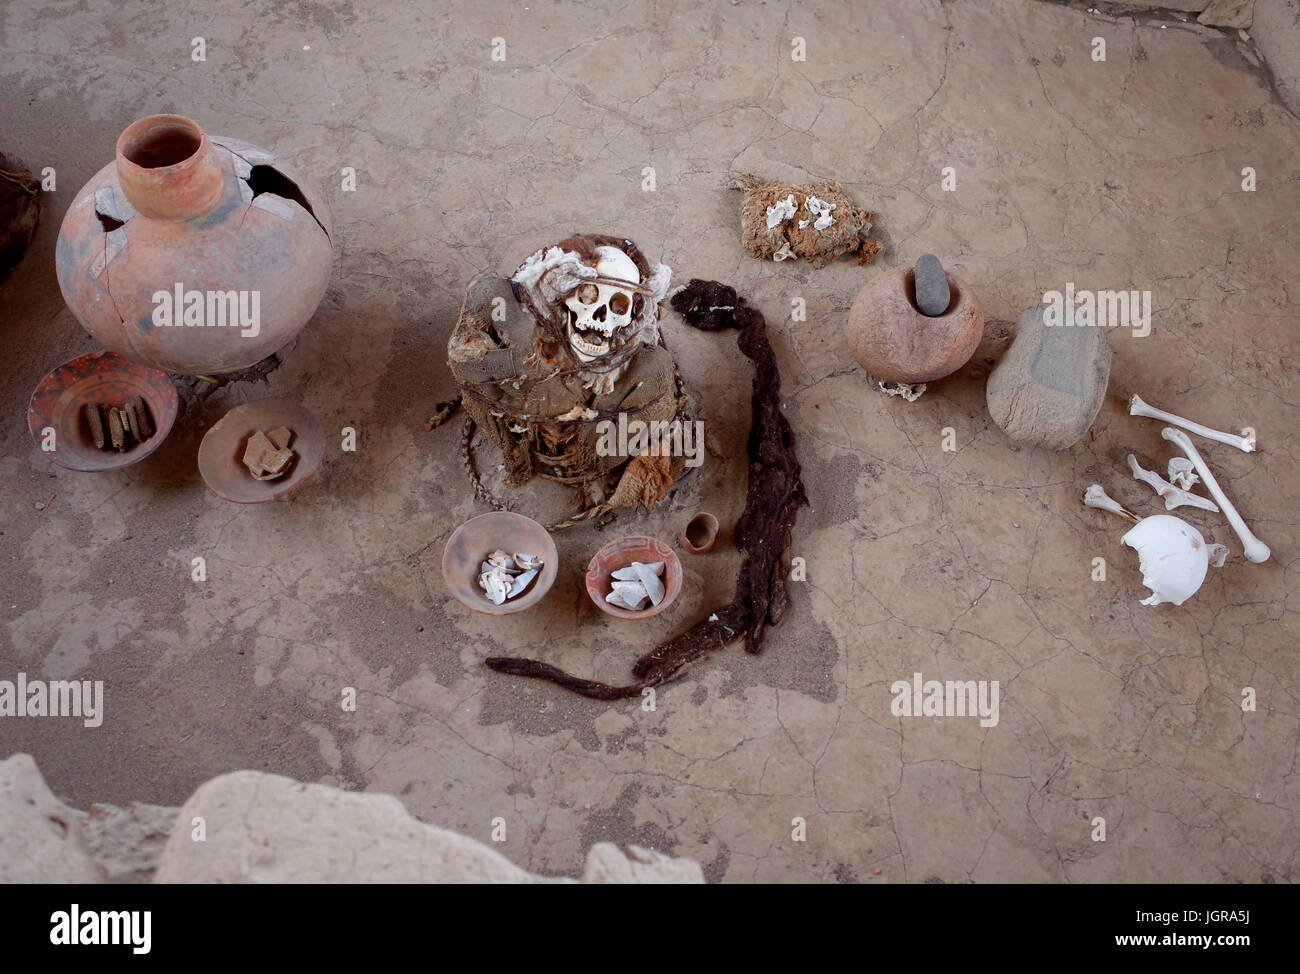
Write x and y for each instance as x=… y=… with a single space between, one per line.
x=932 y=294
x=1049 y=386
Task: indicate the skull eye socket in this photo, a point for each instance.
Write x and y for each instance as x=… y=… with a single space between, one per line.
x=619 y=303
x=588 y=293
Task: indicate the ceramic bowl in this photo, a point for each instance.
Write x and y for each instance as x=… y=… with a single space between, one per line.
x=222 y=450
x=477 y=538
x=621 y=553
x=98 y=377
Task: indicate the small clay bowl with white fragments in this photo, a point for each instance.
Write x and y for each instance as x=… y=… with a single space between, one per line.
x=226 y=445
x=621 y=554
x=472 y=545
x=75 y=401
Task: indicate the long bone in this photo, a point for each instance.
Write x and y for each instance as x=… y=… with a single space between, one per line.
x=1254 y=549
x=1136 y=407
x=1171 y=495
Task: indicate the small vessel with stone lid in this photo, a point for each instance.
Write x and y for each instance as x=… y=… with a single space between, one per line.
x=899 y=333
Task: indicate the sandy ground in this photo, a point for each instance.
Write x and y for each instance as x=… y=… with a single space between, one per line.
x=969 y=564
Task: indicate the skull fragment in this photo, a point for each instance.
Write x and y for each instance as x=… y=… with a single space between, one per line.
x=1174 y=557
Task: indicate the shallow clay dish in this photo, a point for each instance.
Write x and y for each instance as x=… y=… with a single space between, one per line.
x=102 y=377
x=477 y=538
x=621 y=553
x=222 y=450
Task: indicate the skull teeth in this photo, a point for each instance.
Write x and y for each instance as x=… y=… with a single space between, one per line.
x=591 y=348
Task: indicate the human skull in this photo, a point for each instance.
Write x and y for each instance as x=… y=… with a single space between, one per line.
x=599 y=314
x=1174 y=557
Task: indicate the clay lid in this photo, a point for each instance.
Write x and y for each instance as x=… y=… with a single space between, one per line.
x=222 y=450
x=98 y=377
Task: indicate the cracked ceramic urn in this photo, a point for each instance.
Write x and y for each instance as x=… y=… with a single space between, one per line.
x=896 y=341
x=193 y=253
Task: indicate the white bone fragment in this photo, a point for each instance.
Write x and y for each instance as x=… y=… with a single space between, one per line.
x=1094 y=496
x=909 y=391
x=1183 y=473
x=1172 y=496
x=1174 y=557
x=818 y=206
x=627 y=595
x=780 y=210
x=528 y=561
x=521 y=582
x=1136 y=407
x=630 y=574
x=1254 y=549
x=495 y=585
x=785 y=253
x=650 y=582
x=803 y=224
x=501 y=559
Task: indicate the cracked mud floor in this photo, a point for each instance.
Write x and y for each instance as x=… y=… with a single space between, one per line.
x=971 y=564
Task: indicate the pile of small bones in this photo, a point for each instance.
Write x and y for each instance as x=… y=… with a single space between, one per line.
x=504 y=576
x=633 y=585
x=1174 y=556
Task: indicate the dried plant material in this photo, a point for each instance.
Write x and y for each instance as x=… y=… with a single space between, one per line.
x=131 y=420
x=143 y=419
x=95 y=420
x=20 y=211
x=774 y=495
x=779 y=220
x=645 y=481
x=265 y=459
x=118 y=427
x=441 y=413
x=116 y=431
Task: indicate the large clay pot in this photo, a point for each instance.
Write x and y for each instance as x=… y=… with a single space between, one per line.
x=209 y=214
x=895 y=342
